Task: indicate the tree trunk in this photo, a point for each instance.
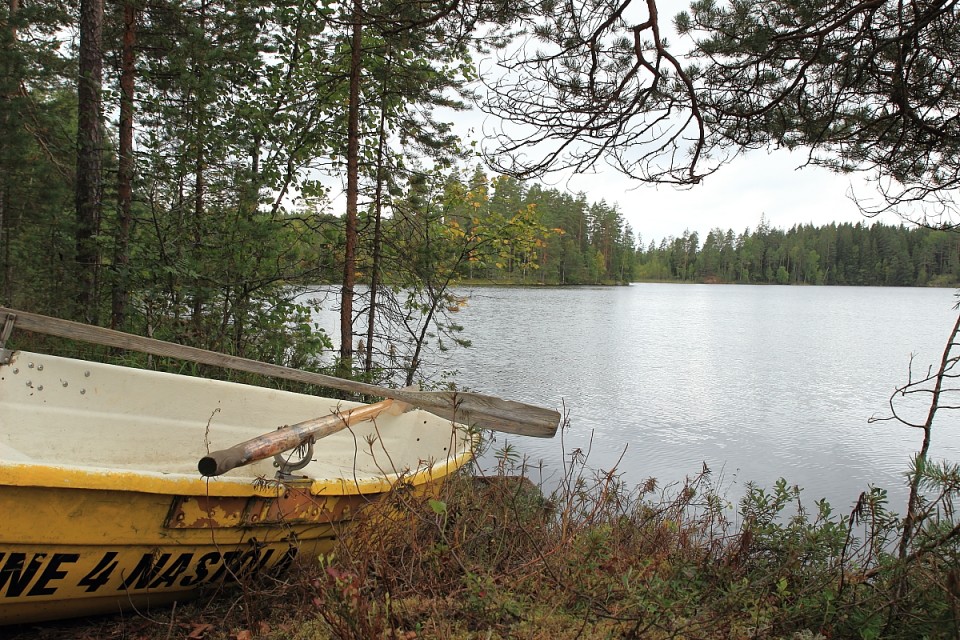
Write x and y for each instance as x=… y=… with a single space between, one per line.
x=121 y=261
x=7 y=94
x=89 y=162
x=377 y=224
x=353 y=196
x=199 y=187
x=14 y=8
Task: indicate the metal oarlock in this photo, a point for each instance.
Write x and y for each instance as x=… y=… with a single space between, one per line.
x=9 y=319
x=286 y=466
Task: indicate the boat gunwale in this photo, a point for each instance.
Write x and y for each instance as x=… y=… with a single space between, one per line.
x=54 y=476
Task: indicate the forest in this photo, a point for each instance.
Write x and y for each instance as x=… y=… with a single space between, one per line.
x=551 y=237
x=850 y=254
x=180 y=169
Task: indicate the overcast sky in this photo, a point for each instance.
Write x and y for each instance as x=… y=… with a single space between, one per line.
x=735 y=197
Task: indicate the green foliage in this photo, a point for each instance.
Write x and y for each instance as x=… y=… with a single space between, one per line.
x=862 y=87
x=37 y=245
x=238 y=111
x=519 y=235
x=844 y=254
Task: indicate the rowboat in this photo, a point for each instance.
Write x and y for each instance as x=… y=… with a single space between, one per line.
x=104 y=509
x=124 y=488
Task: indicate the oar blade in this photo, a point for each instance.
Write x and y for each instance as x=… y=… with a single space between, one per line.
x=488 y=412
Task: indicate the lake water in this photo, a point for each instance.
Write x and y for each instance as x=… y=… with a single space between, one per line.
x=756 y=382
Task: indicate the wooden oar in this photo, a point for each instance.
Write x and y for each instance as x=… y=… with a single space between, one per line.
x=285 y=438
x=475 y=409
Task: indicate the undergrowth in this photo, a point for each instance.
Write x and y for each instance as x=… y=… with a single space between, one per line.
x=495 y=557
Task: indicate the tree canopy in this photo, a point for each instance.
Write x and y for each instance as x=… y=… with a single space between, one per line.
x=593 y=82
x=861 y=85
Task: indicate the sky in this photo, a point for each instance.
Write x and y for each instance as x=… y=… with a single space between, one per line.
x=735 y=197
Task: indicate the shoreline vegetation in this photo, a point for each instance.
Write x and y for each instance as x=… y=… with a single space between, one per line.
x=569 y=241
x=494 y=558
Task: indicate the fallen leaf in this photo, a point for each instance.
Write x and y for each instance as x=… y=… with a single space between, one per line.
x=198 y=630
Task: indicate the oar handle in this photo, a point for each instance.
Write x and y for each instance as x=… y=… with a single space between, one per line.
x=285 y=438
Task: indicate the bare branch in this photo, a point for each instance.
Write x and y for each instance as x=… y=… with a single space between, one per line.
x=593 y=84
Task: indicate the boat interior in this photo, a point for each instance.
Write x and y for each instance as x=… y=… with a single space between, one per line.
x=73 y=413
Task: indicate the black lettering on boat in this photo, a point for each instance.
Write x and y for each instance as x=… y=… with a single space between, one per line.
x=174 y=571
x=18 y=576
x=264 y=559
x=284 y=563
x=100 y=574
x=51 y=573
x=201 y=571
x=226 y=564
x=145 y=571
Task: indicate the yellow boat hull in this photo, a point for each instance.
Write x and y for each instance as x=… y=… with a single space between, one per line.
x=67 y=551
x=79 y=540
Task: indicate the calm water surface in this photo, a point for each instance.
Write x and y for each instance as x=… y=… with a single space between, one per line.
x=755 y=382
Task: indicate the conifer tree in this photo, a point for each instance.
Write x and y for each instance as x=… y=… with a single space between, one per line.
x=89 y=176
